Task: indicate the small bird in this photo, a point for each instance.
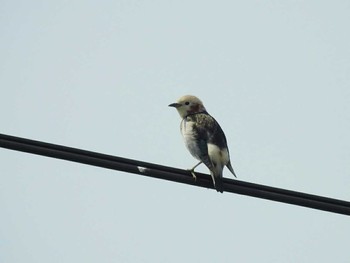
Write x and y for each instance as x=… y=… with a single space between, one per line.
x=204 y=138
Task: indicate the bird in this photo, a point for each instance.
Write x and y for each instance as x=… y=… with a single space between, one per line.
x=204 y=138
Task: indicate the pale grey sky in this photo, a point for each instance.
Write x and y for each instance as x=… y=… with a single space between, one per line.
x=98 y=75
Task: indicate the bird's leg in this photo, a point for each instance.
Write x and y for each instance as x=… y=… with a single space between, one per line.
x=192 y=171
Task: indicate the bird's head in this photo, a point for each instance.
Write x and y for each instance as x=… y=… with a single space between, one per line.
x=187 y=105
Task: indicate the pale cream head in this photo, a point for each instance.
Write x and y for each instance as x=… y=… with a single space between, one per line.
x=187 y=105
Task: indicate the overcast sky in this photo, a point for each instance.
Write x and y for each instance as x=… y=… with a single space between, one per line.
x=98 y=75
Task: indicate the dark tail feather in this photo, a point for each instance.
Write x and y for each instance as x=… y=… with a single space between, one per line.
x=217 y=182
x=219 y=186
x=229 y=166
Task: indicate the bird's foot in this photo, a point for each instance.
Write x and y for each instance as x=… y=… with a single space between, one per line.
x=192 y=171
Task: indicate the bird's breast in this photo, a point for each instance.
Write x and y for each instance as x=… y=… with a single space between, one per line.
x=190 y=135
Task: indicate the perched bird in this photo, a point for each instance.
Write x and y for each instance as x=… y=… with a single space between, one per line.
x=204 y=138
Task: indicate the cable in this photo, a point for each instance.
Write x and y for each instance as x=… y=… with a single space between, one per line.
x=173 y=174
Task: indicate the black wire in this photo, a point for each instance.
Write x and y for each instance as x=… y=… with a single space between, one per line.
x=173 y=174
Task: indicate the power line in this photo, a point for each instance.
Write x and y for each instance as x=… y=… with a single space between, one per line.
x=173 y=174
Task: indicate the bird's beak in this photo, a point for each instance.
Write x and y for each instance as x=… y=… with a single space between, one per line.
x=176 y=105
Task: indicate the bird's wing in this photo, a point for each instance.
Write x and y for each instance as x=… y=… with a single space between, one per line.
x=201 y=138
x=204 y=157
x=229 y=166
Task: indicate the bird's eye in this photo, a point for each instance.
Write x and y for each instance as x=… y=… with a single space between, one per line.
x=187 y=103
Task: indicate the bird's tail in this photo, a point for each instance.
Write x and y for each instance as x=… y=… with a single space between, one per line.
x=219 y=186
x=229 y=166
x=216 y=176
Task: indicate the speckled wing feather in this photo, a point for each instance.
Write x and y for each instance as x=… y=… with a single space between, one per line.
x=209 y=129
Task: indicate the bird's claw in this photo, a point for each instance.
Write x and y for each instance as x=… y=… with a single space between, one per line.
x=192 y=171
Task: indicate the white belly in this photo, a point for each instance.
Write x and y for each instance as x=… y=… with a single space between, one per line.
x=189 y=139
